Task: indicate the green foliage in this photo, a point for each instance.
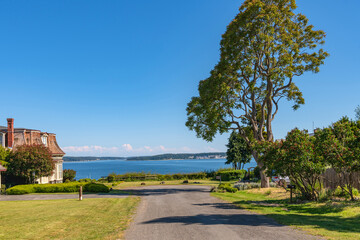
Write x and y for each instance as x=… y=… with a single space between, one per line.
x=230 y=174
x=357 y=113
x=339 y=147
x=227 y=187
x=85 y=180
x=69 y=174
x=263 y=49
x=295 y=157
x=4 y=154
x=30 y=162
x=345 y=192
x=128 y=177
x=96 y=188
x=55 y=188
x=238 y=152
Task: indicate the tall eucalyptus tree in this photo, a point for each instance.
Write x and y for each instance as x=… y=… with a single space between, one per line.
x=263 y=50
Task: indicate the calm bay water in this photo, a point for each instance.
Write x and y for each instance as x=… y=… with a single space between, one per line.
x=98 y=169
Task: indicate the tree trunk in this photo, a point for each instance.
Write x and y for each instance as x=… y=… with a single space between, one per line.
x=265 y=181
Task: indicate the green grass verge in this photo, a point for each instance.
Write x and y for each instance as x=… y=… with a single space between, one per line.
x=332 y=220
x=104 y=218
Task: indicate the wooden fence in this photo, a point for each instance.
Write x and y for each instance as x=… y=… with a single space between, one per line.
x=331 y=179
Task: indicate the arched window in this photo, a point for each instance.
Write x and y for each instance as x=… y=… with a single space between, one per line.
x=44 y=139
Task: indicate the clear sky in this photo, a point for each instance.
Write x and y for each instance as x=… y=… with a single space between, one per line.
x=112 y=78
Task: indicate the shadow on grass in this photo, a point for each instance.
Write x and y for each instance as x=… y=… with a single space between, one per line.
x=297 y=216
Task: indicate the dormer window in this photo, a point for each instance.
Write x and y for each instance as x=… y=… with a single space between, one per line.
x=44 y=139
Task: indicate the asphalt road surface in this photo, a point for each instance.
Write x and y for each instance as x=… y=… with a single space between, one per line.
x=188 y=212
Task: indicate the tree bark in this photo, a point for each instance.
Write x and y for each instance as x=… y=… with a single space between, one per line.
x=265 y=180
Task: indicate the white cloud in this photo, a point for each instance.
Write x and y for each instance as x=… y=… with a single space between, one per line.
x=148 y=148
x=128 y=150
x=127 y=147
x=76 y=149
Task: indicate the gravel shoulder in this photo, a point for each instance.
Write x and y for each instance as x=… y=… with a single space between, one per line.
x=189 y=212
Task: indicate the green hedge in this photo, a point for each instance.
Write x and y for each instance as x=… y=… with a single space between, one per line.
x=56 y=188
x=227 y=187
x=227 y=174
x=128 y=177
x=230 y=174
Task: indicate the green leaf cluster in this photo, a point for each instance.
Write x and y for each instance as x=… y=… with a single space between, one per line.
x=30 y=162
x=238 y=153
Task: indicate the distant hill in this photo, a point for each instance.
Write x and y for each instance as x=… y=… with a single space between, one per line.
x=75 y=159
x=167 y=156
x=172 y=156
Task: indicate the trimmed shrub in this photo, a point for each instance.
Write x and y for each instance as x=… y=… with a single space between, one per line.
x=55 y=188
x=20 y=189
x=230 y=174
x=227 y=187
x=96 y=188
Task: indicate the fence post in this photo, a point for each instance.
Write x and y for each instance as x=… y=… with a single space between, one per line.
x=80 y=193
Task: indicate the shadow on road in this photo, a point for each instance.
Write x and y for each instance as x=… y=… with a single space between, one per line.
x=216 y=219
x=218 y=205
x=164 y=191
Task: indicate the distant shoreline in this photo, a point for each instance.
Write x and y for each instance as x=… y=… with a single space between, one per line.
x=167 y=156
x=92 y=160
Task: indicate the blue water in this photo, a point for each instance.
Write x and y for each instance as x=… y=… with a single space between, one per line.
x=101 y=168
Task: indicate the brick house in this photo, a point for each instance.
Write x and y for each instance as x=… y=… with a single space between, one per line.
x=11 y=137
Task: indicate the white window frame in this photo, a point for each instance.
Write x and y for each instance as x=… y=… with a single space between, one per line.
x=44 y=139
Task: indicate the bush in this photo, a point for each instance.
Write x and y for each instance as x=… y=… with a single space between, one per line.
x=339 y=192
x=227 y=187
x=69 y=175
x=96 y=188
x=230 y=174
x=55 y=188
x=30 y=162
x=85 y=180
x=20 y=189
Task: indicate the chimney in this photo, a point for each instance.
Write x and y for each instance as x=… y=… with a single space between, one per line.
x=10 y=132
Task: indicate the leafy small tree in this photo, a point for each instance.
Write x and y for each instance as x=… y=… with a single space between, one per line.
x=263 y=50
x=69 y=174
x=339 y=146
x=295 y=157
x=357 y=113
x=4 y=154
x=238 y=152
x=29 y=162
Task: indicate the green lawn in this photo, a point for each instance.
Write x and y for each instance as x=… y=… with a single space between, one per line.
x=333 y=220
x=103 y=218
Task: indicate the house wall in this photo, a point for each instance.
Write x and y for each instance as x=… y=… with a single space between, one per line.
x=56 y=177
x=2 y=139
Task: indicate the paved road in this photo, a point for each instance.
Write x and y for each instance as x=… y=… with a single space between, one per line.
x=189 y=212
x=57 y=196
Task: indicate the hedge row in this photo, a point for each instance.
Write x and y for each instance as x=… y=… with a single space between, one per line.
x=56 y=188
x=226 y=174
x=128 y=177
x=229 y=174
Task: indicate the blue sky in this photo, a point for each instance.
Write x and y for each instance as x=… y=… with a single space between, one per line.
x=112 y=78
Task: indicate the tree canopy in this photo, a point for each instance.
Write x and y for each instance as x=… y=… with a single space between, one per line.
x=263 y=50
x=30 y=162
x=238 y=152
x=357 y=113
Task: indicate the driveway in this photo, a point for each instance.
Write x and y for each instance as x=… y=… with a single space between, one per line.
x=188 y=212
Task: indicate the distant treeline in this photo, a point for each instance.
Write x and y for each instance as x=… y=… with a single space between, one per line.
x=170 y=156
x=74 y=159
